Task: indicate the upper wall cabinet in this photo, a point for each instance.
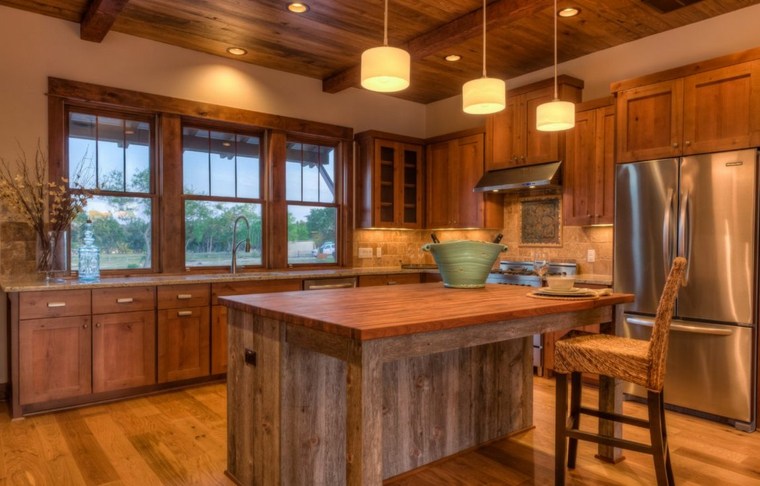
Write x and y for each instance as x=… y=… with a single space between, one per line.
x=671 y=114
x=389 y=181
x=511 y=135
x=454 y=166
x=590 y=164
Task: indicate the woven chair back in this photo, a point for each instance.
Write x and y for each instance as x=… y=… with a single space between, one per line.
x=658 y=343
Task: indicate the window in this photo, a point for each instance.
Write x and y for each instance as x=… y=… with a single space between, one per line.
x=111 y=153
x=221 y=182
x=173 y=176
x=312 y=206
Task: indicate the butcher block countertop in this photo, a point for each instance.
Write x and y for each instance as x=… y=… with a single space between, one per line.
x=363 y=313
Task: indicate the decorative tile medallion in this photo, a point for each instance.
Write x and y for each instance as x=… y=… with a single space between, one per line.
x=540 y=221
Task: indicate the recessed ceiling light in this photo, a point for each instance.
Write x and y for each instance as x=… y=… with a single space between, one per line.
x=453 y=57
x=569 y=12
x=237 y=51
x=298 y=7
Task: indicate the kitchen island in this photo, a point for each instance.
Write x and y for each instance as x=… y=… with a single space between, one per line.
x=352 y=386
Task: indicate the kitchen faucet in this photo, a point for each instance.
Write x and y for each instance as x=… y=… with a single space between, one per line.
x=236 y=244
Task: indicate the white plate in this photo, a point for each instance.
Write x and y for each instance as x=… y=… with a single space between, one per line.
x=549 y=290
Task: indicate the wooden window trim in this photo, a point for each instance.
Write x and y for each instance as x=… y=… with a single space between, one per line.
x=170 y=113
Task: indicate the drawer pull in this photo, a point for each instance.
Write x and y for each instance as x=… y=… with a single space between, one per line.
x=184 y=296
x=125 y=300
x=56 y=304
x=184 y=313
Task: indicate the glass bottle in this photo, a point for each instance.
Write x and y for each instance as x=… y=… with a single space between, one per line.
x=89 y=256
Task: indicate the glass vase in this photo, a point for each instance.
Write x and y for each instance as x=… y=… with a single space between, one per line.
x=52 y=256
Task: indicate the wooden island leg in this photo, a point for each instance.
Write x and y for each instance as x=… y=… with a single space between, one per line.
x=364 y=417
x=610 y=400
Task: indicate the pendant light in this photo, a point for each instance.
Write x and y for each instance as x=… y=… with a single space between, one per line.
x=484 y=95
x=385 y=69
x=555 y=115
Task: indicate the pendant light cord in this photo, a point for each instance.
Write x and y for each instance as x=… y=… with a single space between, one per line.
x=385 y=25
x=554 y=14
x=484 y=38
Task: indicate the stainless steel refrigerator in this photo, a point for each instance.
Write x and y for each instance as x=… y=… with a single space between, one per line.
x=705 y=208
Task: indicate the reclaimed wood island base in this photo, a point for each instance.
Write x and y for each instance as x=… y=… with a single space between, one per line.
x=352 y=386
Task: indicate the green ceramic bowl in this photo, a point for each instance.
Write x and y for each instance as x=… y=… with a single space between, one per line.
x=464 y=264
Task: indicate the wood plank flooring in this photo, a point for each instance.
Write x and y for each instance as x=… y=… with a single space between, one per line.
x=179 y=438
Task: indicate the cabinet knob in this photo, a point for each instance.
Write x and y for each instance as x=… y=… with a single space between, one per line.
x=97 y=325
x=522 y=158
x=85 y=326
x=687 y=143
x=675 y=144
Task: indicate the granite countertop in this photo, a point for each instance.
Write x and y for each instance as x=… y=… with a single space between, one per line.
x=29 y=284
x=22 y=284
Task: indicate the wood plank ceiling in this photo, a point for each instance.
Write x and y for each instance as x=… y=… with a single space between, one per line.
x=326 y=42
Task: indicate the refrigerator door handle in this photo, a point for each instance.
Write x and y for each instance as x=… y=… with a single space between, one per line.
x=715 y=331
x=684 y=235
x=667 y=233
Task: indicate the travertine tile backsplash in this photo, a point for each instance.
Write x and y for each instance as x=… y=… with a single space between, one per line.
x=403 y=246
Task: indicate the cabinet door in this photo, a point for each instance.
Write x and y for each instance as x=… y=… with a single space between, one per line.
x=469 y=157
x=410 y=187
x=540 y=146
x=721 y=109
x=387 y=177
x=123 y=350
x=439 y=174
x=183 y=343
x=505 y=139
x=218 y=339
x=589 y=168
x=649 y=121
x=54 y=358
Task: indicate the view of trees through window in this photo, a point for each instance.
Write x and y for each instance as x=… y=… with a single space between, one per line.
x=114 y=153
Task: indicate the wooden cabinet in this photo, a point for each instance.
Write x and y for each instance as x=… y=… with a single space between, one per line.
x=123 y=338
x=183 y=332
x=454 y=166
x=712 y=110
x=589 y=167
x=389 y=181
x=54 y=346
x=511 y=136
x=219 y=312
x=389 y=279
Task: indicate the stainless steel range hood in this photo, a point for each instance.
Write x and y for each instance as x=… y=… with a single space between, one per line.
x=520 y=178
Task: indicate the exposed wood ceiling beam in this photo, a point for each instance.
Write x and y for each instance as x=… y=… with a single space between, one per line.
x=99 y=18
x=499 y=13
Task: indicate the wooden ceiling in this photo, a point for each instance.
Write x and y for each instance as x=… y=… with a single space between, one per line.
x=327 y=41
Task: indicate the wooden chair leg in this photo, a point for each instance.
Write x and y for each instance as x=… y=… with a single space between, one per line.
x=575 y=416
x=560 y=419
x=668 y=466
x=657 y=436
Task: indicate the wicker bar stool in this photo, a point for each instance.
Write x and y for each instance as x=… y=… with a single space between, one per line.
x=632 y=360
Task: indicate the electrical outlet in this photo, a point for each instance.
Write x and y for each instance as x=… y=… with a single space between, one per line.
x=365 y=252
x=591 y=256
x=378 y=252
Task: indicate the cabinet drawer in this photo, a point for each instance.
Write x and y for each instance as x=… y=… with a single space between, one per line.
x=394 y=279
x=127 y=299
x=174 y=296
x=57 y=303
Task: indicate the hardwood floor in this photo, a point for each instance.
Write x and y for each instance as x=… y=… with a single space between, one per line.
x=179 y=438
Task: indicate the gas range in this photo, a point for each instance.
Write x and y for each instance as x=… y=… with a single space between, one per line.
x=521 y=272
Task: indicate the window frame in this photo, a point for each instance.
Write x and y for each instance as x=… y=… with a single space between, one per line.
x=169 y=114
x=151 y=195
x=339 y=167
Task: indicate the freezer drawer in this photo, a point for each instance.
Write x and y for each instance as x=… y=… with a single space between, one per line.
x=709 y=367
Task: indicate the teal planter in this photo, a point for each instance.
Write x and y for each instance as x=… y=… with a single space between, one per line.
x=464 y=264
